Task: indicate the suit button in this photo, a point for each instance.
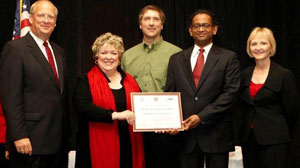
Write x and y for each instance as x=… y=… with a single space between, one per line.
x=196 y=98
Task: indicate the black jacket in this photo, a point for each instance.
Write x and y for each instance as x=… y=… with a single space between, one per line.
x=274 y=108
x=211 y=101
x=33 y=104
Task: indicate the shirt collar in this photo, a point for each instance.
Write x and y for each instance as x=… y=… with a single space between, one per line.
x=153 y=46
x=39 y=41
x=206 y=48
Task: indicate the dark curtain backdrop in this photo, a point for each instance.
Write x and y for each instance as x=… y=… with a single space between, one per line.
x=81 y=21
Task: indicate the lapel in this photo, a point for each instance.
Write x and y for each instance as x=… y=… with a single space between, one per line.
x=40 y=58
x=59 y=63
x=273 y=82
x=186 y=59
x=212 y=59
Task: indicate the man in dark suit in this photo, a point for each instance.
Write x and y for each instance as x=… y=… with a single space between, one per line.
x=208 y=78
x=32 y=93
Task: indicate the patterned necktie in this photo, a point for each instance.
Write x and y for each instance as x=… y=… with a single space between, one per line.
x=51 y=61
x=198 y=67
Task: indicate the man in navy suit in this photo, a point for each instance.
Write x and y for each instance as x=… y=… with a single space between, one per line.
x=32 y=93
x=207 y=95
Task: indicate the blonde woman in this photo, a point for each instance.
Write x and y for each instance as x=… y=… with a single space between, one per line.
x=270 y=100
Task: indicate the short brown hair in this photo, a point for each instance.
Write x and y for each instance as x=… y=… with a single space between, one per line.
x=267 y=33
x=155 y=8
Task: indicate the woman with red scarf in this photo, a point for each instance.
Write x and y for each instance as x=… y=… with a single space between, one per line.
x=102 y=99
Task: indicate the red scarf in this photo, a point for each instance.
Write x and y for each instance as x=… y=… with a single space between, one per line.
x=104 y=137
x=2 y=126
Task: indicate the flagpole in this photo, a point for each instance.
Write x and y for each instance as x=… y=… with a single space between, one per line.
x=21 y=10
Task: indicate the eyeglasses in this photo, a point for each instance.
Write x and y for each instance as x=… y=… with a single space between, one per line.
x=44 y=16
x=203 y=25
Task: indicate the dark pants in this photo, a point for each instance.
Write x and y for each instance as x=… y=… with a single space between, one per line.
x=57 y=160
x=196 y=158
x=3 y=161
x=263 y=156
x=159 y=151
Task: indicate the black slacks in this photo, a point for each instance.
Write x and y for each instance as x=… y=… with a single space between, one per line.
x=3 y=161
x=264 y=156
x=196 y=159
x=159 y=151
x=57 y=160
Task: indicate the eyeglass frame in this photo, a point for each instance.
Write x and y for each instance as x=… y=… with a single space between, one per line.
x=203 y=25
x=44 y=17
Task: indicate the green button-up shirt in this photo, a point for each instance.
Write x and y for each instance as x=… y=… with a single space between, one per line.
x=149 y=64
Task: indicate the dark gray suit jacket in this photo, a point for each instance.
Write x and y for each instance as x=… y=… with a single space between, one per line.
x=211 y=101
x=32 y=102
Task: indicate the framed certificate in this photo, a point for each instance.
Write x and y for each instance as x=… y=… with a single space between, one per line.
x=156 y=111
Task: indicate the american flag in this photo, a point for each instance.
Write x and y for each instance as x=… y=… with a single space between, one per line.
x=21 y=19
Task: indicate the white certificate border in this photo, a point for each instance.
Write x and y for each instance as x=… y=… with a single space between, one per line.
x=177 y=94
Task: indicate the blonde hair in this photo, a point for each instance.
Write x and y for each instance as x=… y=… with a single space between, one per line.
x=110 y=39
x=267 y=33
x=33 y=6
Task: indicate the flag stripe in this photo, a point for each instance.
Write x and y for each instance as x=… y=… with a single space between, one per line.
x=22 y=24
x=25 y=23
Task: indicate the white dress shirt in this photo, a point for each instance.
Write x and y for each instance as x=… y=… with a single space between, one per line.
x=40 y=43
x=196 y=52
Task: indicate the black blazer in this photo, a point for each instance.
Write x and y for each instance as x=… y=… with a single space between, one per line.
x=212 y=101
x=32 y=102
x=273 y=109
